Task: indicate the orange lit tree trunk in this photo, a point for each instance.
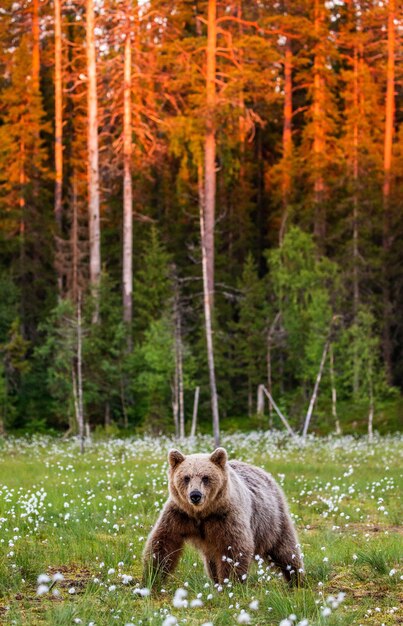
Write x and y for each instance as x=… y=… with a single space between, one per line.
x=318 y=126
x=58 y=116
x=93 y=160
x=355 y=165
x=287 y=137
x=210 y=150
x=127 y=178
x=207 y=315
x=35 y=46
x=387 y=163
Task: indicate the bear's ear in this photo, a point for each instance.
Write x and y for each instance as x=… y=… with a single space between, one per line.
x=219 y=457
x=175 y=457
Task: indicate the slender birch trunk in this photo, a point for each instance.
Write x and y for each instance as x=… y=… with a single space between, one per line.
x=93 y=160
x=74 y=242
x=371 y=410
x=387 y=165
x=334 y=391
x=58 y=116
x=195 y=410
x=79 y=374
x=207 y=317
x=279 y=413
x=210 y=150
x=287 y=137
x=127 y=179
x=315 y=390
x=179 y=361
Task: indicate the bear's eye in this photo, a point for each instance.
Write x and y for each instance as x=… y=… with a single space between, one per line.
x=205 y=480
x=187 y=479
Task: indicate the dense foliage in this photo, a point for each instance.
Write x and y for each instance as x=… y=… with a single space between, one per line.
x=308 y=229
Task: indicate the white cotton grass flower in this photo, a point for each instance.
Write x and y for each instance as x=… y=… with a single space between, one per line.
x=326 y=611
x=392 y=572
x=170 y=620
x=254 y=605
x=42 y=589
x=126 y=579
x=303 y=622
x=72 y=591
x=43 y=578
x=142 y=592
x=286 y=622
x=196 y=603
x=243 y=617
x=179 y=600
x=57 y=577
x=208 y=624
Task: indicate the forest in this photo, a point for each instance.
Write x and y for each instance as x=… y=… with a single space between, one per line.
x=200 y=208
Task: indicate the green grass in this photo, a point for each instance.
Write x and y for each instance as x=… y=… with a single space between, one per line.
x=85 y=516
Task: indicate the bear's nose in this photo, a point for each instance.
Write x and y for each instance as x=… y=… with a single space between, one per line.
x=196 y=496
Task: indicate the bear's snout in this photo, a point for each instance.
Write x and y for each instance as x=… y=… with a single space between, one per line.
x=195 y=496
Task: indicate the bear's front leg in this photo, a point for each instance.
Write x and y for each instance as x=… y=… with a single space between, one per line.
x=163 y=548
x=234 y=563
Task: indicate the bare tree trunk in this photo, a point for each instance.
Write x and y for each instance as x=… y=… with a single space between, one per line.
x=175 y=398
x=334 y=391
x=279 y=413
x=207 y=318
x=179 y=360
x=269 y=376
x=371 y=411
x=315 y=389
x=387 y=165
x=287 y=137
x=195 y=410
x=127 y=180
x=210 y=150
x=58 y=116
x=74 y=242
x=260 y=401
x=93 y=160
x=79 y=375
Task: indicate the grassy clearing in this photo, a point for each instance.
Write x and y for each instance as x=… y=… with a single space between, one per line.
x=88 y=517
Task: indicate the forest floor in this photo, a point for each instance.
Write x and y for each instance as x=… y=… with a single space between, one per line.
x=87 y=518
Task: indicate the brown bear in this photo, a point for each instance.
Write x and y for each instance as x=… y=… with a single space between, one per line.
x=230 y=511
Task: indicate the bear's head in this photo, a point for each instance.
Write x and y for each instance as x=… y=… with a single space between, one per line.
x=197 y=480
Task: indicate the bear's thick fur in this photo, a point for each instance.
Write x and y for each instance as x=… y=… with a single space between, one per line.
x=230 y=511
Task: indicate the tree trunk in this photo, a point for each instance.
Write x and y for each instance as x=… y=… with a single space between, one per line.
x=371 y=412
x=279 y=413
x=207 y=317
x=74 y=242
x=58 y=117
x=334 y=391
x=195 y=410
x=356 y=293
x=36 y=59
x=93 y=161
x=127 y=181
x=179 y=360
x=387 y=164
x=287 y=137
x=318 y=141
x=315 y=390
x=210 y=150
x=79 y=375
